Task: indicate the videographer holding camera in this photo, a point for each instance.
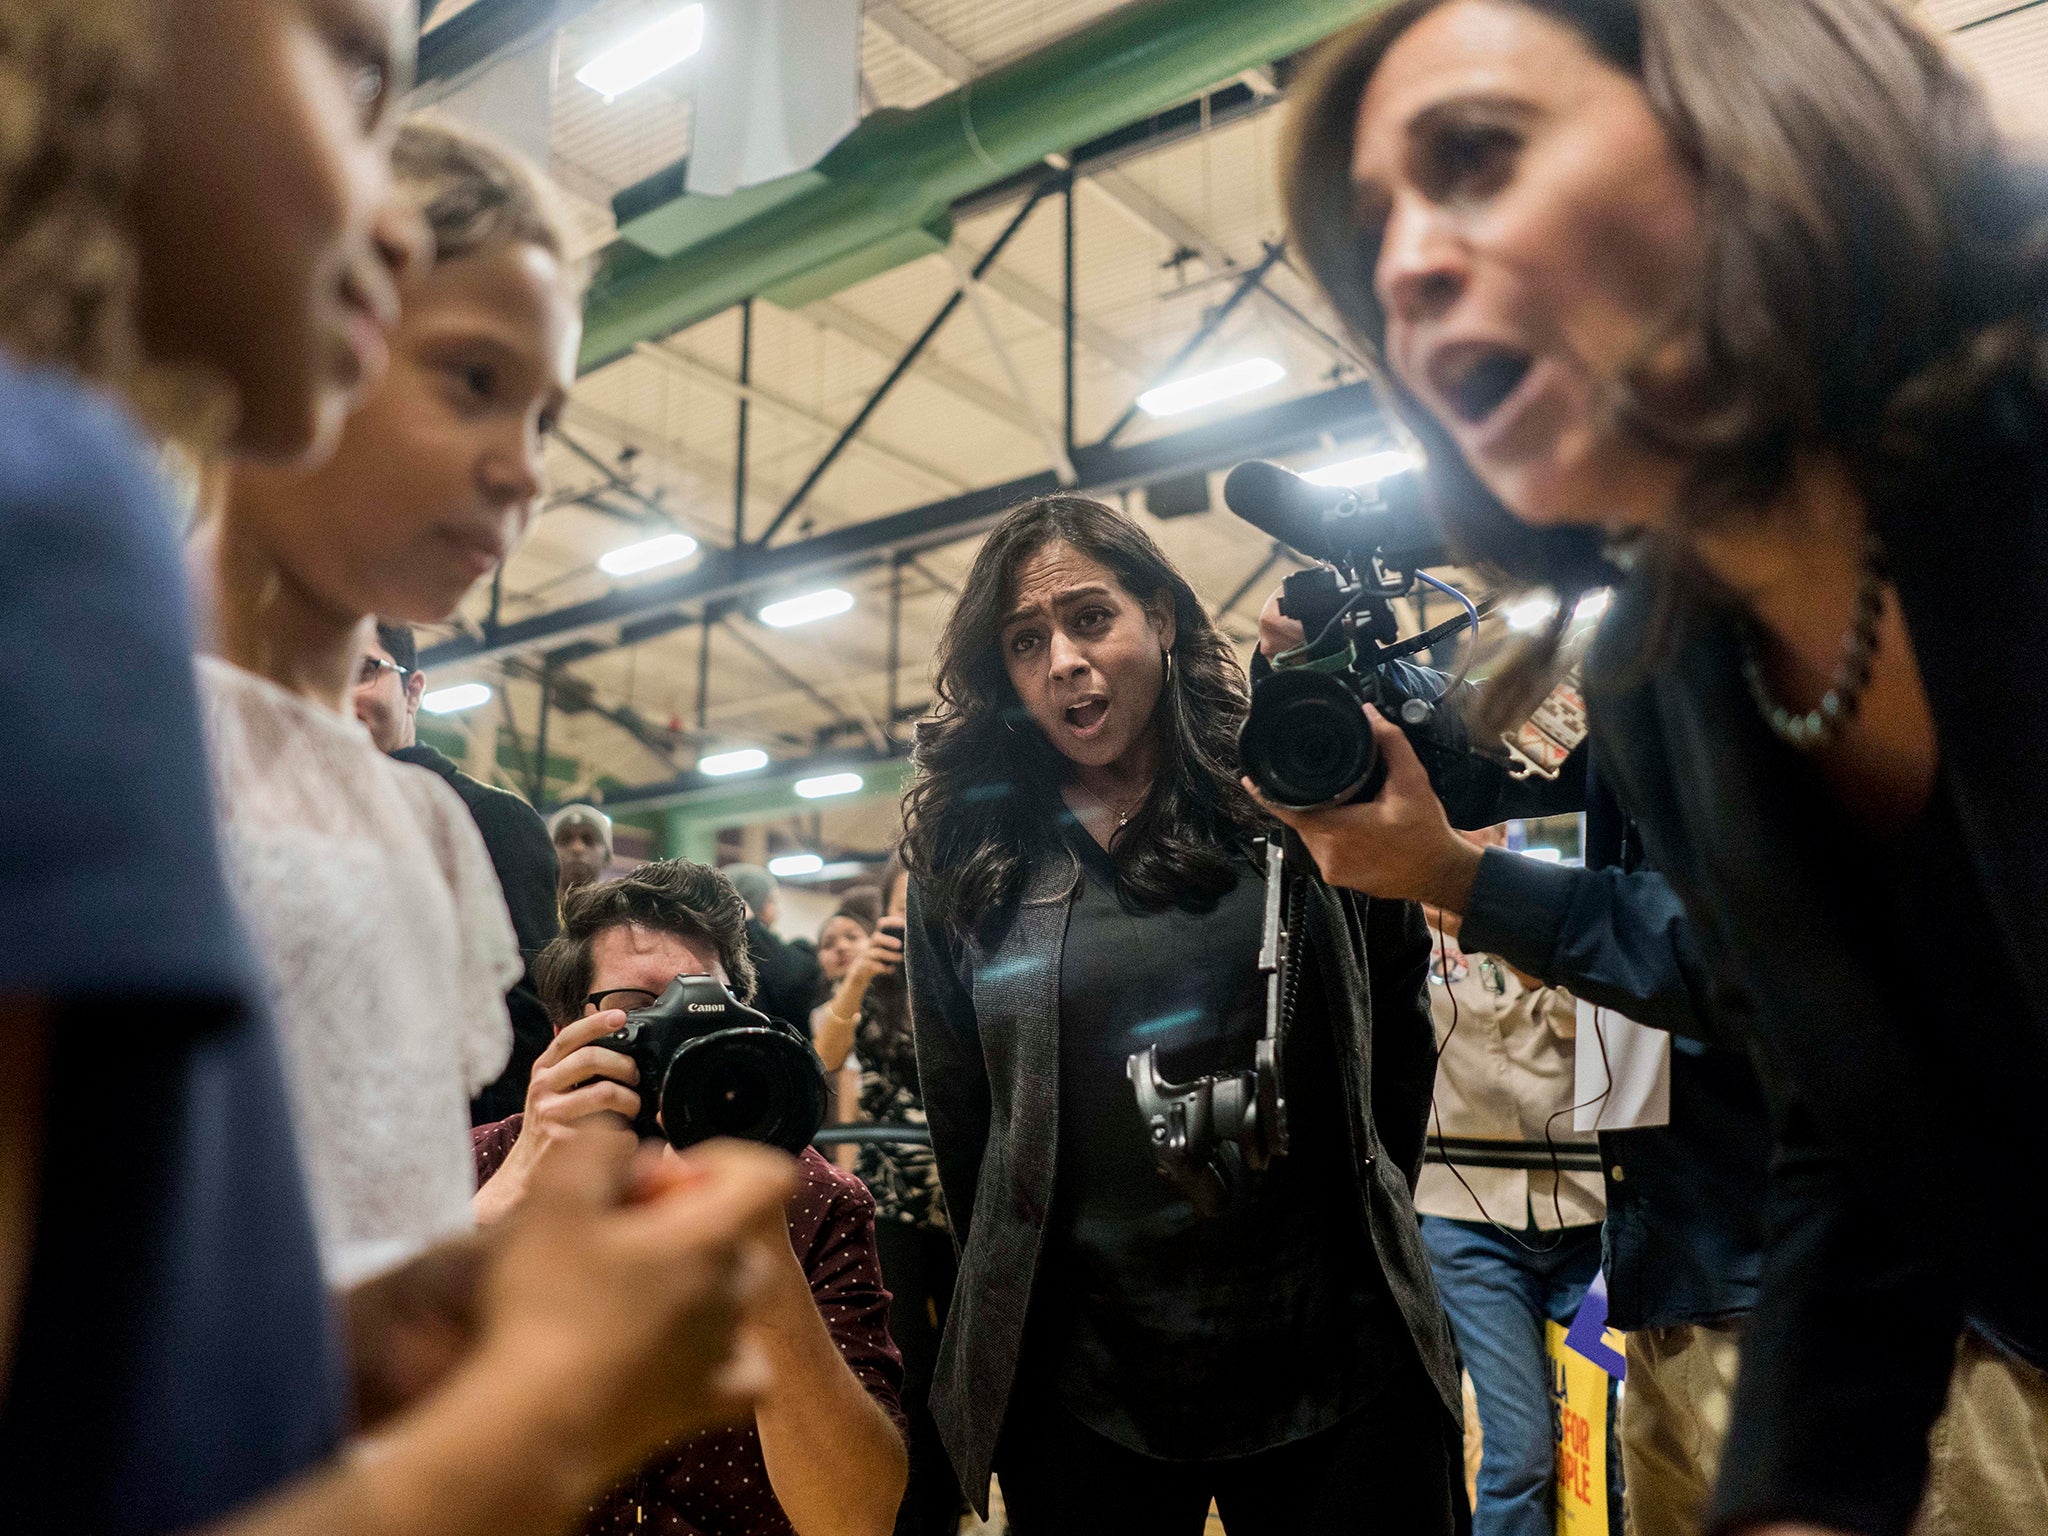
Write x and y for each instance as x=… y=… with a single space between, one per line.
x=1089 y=901
x=825 y=1456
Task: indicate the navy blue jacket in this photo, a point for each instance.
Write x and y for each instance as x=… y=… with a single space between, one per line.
x=1684 y=1236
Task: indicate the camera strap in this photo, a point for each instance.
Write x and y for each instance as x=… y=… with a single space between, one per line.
x=1276 y=963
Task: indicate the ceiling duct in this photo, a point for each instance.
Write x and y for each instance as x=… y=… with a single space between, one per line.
x=884 y=190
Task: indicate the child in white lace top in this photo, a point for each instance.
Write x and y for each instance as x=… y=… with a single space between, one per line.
x=388 y=944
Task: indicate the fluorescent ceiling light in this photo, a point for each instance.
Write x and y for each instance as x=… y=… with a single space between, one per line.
x=1592 y=605
x=1368 y=470
x=446 y=701
x=792 y=865
x=1544 y=855
x=806 y=609
x=647 y=53
x=1191 y=394
x=828 y=784
x=635 y=558
x=745 y=760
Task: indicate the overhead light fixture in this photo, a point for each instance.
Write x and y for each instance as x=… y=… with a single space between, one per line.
x=647 y=53
x=1592 y=605
x=1366 y=470
x=647 y=555
x=793 y=866
x=721 y=764
x=1543 y=855
x=827 y=785
x=807 y=609
x=1191 y=394
x=447 y=701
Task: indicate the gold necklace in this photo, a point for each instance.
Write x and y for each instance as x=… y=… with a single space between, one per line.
x=1123 y=818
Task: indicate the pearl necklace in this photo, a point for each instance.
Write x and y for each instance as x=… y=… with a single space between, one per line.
x=1819 y=726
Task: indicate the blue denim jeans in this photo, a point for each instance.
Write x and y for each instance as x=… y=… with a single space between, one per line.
x=1498 y=1295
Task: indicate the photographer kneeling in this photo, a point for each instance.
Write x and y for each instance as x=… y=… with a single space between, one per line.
x=825 y=1454
x=1087 y=886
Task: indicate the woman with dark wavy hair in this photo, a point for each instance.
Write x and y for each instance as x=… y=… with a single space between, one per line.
x=1742 y=301
x=1086 y=883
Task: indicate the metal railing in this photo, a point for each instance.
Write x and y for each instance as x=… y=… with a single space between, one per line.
x=1458 y=1151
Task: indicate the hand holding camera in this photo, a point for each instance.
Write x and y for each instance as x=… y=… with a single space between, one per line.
x=883 y=953
x=707 y=1065
x=1399 y=844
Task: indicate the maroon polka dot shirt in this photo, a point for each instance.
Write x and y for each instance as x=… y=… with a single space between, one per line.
x=717 y=1484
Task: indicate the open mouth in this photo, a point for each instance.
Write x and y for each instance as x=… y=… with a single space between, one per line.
x=1475 y=381
x=1087 y=714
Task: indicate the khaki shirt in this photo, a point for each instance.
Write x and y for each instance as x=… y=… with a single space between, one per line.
x=1502 y=1075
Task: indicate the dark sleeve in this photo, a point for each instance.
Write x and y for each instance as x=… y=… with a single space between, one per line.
x=524 y=857
x=490 y=1145
x=1403 y=1036
x=1846 y=1359
x=1619 y=940
x=952 y=1074
x=846 y=1283
x=124 y=891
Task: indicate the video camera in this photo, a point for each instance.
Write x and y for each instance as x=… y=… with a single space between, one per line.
x=712 y=1066
x=1308 y=745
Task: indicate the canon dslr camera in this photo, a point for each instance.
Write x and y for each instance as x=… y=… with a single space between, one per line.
x=712 y=1066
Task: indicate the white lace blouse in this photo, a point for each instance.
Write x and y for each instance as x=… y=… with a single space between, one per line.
x=388 y=949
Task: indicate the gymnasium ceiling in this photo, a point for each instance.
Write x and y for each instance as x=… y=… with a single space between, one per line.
x=650 y=440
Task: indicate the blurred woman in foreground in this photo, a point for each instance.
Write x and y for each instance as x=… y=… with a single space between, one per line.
x=1739 y=302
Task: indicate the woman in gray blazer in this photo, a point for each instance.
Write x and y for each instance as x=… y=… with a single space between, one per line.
x=1123 y=1346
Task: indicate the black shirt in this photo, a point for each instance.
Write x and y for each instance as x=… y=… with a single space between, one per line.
x=1985 y=1063
x=524 y=856
x=1179 y=1336
x=789 y=982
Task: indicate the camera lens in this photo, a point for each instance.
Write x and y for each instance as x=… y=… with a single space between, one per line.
x=1307 y=743
x=754 y=1084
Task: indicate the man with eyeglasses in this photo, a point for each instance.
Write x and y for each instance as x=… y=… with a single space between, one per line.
x=387 y=700
x=824 y=1456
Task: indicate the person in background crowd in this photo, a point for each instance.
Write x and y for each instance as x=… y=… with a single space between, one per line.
x=868 y=1019
x=582 y=836
x=165 y=1356
x=1511 y=1248
x=387 y=701
x=337 y=852
x=1085 y=884
x=823 y=1456
x=1786 y=360
x=791 y=979
x=845 y=935
x=841 y=943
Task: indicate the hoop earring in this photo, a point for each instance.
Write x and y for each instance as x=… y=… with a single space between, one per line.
x=1169 y=666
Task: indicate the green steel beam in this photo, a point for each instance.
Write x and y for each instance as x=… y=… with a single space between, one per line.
x=901 y=170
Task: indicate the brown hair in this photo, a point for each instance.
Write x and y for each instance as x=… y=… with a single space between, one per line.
x=985 y=795
x=72 y=77
x=1872 y=262
x=475 y=194
x=691 y=901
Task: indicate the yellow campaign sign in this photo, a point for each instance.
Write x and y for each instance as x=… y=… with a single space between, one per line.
x=1580 y=1399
